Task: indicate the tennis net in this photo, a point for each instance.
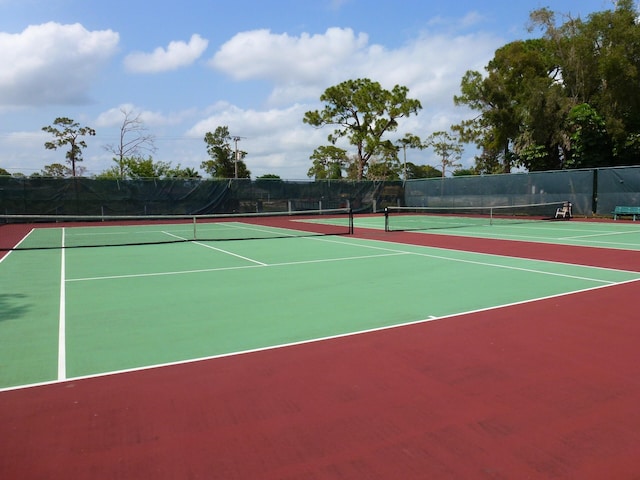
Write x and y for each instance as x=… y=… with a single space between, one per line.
x=34 y=232
x=428 y=218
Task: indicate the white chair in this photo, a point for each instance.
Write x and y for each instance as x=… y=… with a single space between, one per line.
x=564 y=211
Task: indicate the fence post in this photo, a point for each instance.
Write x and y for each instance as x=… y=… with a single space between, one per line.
x=594 y=193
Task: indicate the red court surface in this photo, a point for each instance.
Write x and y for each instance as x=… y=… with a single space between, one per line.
x=547 y=389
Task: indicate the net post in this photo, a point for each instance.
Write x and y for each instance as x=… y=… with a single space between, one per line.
x=351 y=230
x=386 y=219
x=490 y=215
x=195 y=237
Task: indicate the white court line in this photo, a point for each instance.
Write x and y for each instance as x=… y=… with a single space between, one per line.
x=482 y=232
x=501 y=256
x=219 y=250
x=17 y=245
x=62 y=327
x=431 y=318
x=241 y=267
x=391 y=252
x=600 y=234
x=579 y=241
x=495 y=265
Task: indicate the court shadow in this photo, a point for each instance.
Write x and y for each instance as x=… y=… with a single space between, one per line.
x=12 y=306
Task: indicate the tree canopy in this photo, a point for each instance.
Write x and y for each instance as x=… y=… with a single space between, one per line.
x=569 y=99
x=363 y=113
x=68 y=132
x=55 y=170
x=226 y=161
x=141 y=168
x=447 y=147
x=328 y=162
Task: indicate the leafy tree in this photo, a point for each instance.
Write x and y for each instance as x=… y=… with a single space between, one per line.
x=384 y=169
x=187 y=172
x=521 y=105
x=408 y=141
x=134 y=140
x=570 y=99
x=363 y=113
x=4 y=173
x=464 y=172
x=328 y=162
x=267 y=181
x=613 y=40
x=56 y=170
x=496 y=125
x=269 y=176
x=225 y=162
x=112 y=173
x=590 y=142
x=599 y=69
x=68 y=133
x=447 y=147
x=139 y=167
x=145 y=168
x=422 y=171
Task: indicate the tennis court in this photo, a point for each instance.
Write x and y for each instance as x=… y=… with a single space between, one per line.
x=82 y=318
x=547 y=229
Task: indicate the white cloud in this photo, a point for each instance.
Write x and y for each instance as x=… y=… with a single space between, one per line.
x=276 y=139
x=178 y=54
x=471 y=20
x=302 y=67
x=283 y=58
x=115 y=116
x=298 y=69
x=52 y=63
x=24 y=152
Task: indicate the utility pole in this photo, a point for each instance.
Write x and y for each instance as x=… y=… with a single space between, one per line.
x=235 y=163
x=404 y=168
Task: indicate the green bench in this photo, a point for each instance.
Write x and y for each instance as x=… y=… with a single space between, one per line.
x=619 y=211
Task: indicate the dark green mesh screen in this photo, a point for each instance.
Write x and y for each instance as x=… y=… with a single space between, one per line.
x=85 y=196
x=618 y=186
x=509 y=189
x=590 y=191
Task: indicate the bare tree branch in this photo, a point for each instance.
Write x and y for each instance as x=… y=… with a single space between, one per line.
x=135 y=141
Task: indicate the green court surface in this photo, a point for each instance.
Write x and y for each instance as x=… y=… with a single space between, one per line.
x=623 y=234
x=76 y=312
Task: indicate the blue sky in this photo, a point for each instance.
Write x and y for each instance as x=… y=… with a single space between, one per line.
x=255 y=66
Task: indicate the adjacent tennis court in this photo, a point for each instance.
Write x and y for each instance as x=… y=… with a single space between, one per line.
x=504 y=223
x=78 y=316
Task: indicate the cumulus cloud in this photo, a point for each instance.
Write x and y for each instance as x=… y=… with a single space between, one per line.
x=249 y=120
x=284 y=58
x=115 y=116
x=301 y=67
x=276 y=139
x=177 y=55
x=52 y=63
